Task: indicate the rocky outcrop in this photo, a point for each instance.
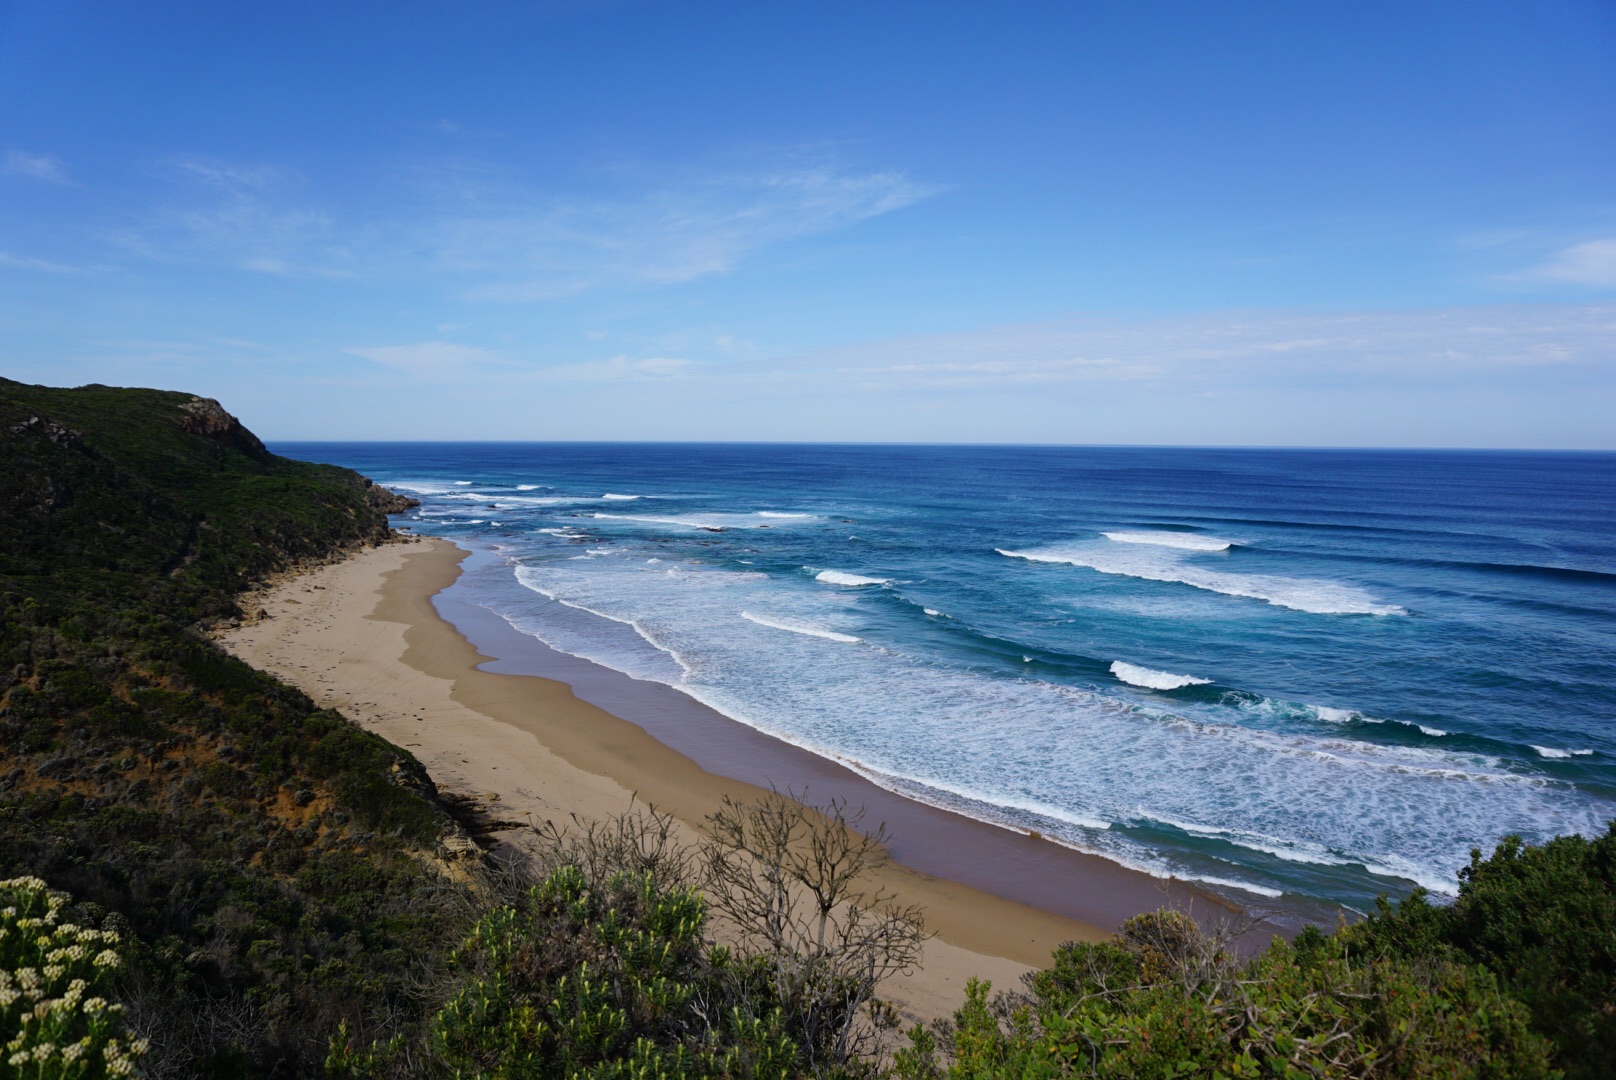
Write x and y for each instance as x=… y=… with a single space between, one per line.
x=207 y=418
x=50 y=429
x=388 y=502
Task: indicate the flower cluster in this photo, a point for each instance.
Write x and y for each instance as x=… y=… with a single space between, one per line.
x=52 y=1022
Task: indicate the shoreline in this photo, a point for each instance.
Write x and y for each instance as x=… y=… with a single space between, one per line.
x=497 y=717
x=946 y=844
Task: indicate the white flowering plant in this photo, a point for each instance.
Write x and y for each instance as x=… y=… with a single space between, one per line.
x=54 y=1018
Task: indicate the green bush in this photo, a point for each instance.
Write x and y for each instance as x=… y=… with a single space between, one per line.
x=1540 y=917
x=1168 y=1000
x=594 y=980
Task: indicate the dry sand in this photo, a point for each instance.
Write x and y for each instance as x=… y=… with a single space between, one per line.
x=363 y=636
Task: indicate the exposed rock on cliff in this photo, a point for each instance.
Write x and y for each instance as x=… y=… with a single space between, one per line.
x=388 y=502
x=207 y=418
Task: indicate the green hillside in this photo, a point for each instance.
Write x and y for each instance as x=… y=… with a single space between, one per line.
x=272 y=863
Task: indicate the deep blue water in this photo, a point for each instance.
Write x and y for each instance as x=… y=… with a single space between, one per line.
x=1327 y=673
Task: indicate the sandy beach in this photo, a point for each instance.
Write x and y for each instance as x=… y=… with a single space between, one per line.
x=364 y=636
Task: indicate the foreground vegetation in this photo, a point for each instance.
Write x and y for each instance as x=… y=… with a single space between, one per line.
x=1516 y=979
x=203 y=874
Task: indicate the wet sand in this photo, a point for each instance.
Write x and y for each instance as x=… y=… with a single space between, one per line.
x=387 y=638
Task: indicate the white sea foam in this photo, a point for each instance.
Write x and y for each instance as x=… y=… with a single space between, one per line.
x=1151 y=679
x=716 y=522
x=462 y=483
x=931 y=611
x=527 y=487
x=780 y=514
x=995 y=747
x=799 y=628
x=1299 y=851
x=1181 y=541
x=1348 y=716
x=1551 y=752
x=619 y=498
x=1230 y=883
x=838 y=577
x=1167 y=565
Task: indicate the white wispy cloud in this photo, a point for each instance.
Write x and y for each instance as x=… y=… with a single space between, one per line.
x=431 y=358
x=1216 y=350
x=535 y=247
x=1591 y=263
x=239 y=215
x=25 y=262
x=619 y=369
x=46 y=167
x=475 y=231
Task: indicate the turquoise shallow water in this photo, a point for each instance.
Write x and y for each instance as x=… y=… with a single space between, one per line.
x=1317 y=673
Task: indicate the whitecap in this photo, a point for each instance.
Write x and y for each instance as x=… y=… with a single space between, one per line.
x=1181 y=541
x=527 y=487
x=1551 y=752
x=779 y=514
x=1435 y=733
x=619 y=498
x=838 y=577
x=799 y=628
x=1152 y=679
x=1167 y=565
x=462 y=483
x=932 y=612
x=708 y=522
x=1228 y=883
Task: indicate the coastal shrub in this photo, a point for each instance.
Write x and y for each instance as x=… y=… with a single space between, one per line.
x=55 y=979
x=582 y=979
x=1169 y=999
x=1542 y=918
x=791 y=883
x=595 y=979
x=608 y=967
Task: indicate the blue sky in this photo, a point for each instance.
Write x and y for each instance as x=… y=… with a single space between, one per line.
x=1295 y=224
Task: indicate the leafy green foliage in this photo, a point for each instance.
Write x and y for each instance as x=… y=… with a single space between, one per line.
x=1543 y=919
x=1169 y=1000
x=598 y=981
x=1517 y=978
x=606 y=969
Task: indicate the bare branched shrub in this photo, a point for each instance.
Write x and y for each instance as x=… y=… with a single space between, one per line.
x=1172 y=947
x=641 y=840
x=793 y=884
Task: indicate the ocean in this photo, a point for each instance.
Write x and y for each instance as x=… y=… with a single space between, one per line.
x=1315 y=674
